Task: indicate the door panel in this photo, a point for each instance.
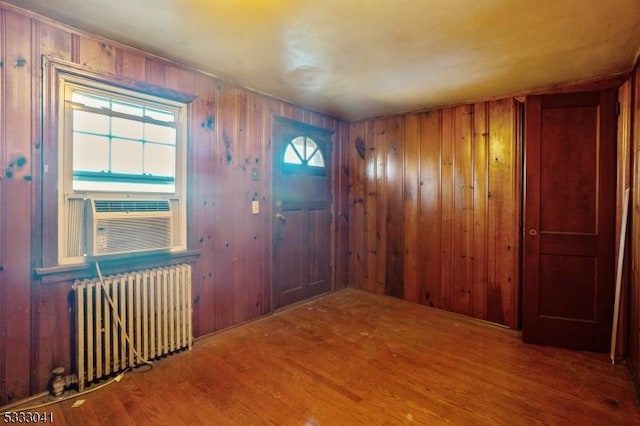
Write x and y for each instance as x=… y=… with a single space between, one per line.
x=568 y=280
x=561 y=279
x=302 y=212
x=568 y=175
x=319 y=261
x=290 y=237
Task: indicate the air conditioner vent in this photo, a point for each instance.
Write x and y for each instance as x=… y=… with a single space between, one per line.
x=127 y=226
x=124 y=206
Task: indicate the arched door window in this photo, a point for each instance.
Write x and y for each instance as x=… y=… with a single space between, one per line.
x=304 y=152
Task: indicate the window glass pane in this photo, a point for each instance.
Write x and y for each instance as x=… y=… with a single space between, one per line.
x=159 y=115
x=126 y=108
x=126 y=156
x=156 y=133
x=298 y=145
x=122 y=127
x=84 y=121
x=90 y=153
x=87 y=185
x=310 y=148
x=316 y=159
x=122 y=154
x=159 y=160
x=90 y=100
x=290 y=156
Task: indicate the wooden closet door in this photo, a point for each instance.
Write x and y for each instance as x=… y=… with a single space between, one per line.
x=568 y=280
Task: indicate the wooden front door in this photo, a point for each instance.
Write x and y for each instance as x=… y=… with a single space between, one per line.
x=569 y=226
x=301 y=212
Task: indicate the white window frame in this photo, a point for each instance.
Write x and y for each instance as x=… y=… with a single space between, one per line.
x=70 y=199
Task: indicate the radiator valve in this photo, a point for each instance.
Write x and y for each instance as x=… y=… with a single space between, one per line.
x=59 y=382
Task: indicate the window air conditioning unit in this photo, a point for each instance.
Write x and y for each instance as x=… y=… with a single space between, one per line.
x=127 y=226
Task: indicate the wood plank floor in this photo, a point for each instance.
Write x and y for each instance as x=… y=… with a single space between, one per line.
x=354 y=358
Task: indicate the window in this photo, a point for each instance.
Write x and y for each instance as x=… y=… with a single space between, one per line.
x=304 y=151
x=121 y=146
x=118 y=144
x=304 y=155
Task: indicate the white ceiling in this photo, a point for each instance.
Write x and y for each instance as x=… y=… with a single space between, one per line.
x=356 y=59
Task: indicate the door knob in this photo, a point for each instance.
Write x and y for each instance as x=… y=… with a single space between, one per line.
x=533 y=232
x=280 y=216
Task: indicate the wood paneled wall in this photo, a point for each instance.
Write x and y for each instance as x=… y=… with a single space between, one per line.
x=426 y=205
x=434 y=201
x=623 y=182
x=16 y=133
x=634 y=236
x=232 y=274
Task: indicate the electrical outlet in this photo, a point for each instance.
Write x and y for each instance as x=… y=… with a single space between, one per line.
x=255 y=207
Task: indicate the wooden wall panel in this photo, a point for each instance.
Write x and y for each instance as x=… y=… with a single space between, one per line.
x=244 y=223
x=154 y=71
x=341 y=195
x=480 y=211
x=225 y=208
x=3 y=225
x=16 y=142
x=381 y=205
x=370 y=206
x=447 y=192
x=430 y=208
x=463 y=210
x=634 y=237
x=625 y=93
x=95 y=54
x=411 y=208
x=229 y=136
x=503 y=213
x=51 y=347
x=201 y=195
x=179 y=79
x=394 y=268
x=131 y=65
x=460 y=206
x=241 y=206
x=257 y=238
x=54 y=42
x=356 y=206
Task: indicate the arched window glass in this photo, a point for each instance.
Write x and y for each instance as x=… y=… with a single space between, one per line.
x=303 y=151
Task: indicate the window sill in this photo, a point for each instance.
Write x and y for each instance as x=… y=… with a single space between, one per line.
x=56 y=274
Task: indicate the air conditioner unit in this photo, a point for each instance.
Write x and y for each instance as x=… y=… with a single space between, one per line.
x=127 y=226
